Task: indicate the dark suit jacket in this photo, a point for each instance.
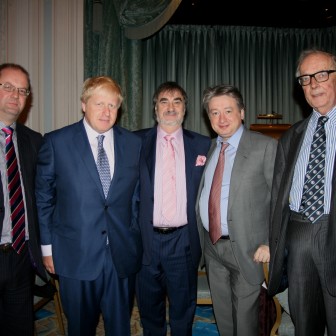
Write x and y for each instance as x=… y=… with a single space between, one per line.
x=29 y=143
x=249 y=200
x=73 y=213
x=287 y=153
x=194 y=145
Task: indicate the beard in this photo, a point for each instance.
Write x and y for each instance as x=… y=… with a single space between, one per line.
x=164 y=122
x=170 y=122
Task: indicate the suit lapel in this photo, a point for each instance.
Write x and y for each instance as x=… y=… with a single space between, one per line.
x=209 y=155
x=119 y=153
x=82 y=145
x=149 y=146
x=189 y=153
x=24 y=149
x=239 y=165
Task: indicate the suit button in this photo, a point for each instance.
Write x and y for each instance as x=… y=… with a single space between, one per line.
x=106 y=207
x=103 y=232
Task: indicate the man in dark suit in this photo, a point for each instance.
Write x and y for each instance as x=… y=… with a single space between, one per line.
x=89 y=234
x=18 y=269
x=171 y=243
x=234 y=258
x=307 y=238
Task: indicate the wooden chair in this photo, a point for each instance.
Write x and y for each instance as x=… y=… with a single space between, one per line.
x=203 y=290
x=275 y=328
x=41 y=302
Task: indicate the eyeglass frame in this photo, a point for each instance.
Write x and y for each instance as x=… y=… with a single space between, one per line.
x=11 y=88
x=328 y=72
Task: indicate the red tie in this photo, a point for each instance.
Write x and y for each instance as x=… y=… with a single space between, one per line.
x=15 y=193
x=169 y=180
x=215 y=230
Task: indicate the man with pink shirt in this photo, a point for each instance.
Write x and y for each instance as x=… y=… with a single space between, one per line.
x=171 y=243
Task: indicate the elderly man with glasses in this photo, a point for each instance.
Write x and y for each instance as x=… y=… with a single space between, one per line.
x=303 y=228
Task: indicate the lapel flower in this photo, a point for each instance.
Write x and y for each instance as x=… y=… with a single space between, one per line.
x=200 y=161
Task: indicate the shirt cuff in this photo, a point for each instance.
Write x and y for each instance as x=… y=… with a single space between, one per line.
x=46 y=250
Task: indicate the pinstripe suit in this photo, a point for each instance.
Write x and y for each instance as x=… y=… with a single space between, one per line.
x=170 y=262
x=297 y=235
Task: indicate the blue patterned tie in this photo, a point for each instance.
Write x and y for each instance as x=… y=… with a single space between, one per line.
x=103 y=166
x=15 y=193
x=312 y=204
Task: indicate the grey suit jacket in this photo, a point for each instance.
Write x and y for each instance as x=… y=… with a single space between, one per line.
x=287 y=153
x=249 y=201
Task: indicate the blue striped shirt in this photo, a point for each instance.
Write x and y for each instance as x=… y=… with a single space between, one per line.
x=295 y=195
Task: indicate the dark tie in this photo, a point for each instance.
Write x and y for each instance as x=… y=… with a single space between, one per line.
x=15 y=193
x=312 y=204
x=168 y=180
x=103 y=166
x=215 y=230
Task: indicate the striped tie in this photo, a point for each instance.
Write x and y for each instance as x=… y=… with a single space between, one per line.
x=169 y=180
x=312 y=204
x=15 y=193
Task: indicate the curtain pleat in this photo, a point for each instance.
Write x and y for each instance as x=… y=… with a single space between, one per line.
x=260 y=61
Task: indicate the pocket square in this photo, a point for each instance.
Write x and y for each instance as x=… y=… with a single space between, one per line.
x=200 y=161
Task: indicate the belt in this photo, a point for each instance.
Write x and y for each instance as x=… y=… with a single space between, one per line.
x=225 y=237
x=6 y=247
x=167 y=230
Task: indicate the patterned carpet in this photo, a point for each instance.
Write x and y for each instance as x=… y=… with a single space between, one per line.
x=46 y=322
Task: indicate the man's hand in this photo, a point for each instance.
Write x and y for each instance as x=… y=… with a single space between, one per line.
x=49 y=264
x=262 y=254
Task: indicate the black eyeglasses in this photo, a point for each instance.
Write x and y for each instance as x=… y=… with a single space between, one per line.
x=320 y=76
x=11 y=88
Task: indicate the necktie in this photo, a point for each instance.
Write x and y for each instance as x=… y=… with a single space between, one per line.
x=169 y=180
x=103 y=166
x=15 y=193
x=312 y=204
x=215 y=230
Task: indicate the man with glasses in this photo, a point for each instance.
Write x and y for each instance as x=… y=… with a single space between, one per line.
x=303 y=208
x=17 y=263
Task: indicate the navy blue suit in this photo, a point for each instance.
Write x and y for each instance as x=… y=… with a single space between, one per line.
x=76 y=219
x=184 y=242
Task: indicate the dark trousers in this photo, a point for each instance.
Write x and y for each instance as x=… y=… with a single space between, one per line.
x=311 y=306
x=171 y=274
x=83 y=302
x=16 y=293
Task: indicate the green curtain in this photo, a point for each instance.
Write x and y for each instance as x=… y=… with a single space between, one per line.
x=108 y=52
x=260 y=61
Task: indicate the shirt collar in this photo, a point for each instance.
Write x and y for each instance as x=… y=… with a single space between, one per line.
x=92 y=134
x=178 y=134
x=234 y=139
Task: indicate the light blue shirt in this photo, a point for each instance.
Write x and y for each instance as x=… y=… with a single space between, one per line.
x=230 y=154
x=295 y=195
